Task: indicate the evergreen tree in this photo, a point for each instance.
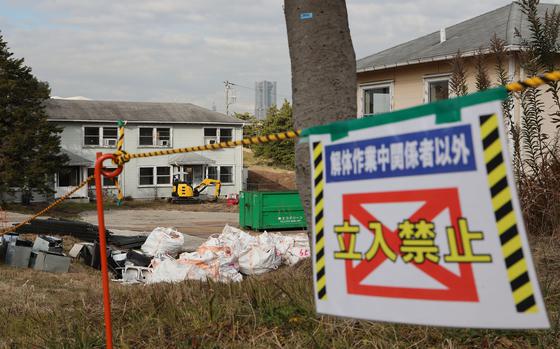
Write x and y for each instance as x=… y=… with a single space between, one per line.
x=482 y=79
x=251 y=124
x=543 y=45
x=279 y=154
x=458 y=81
x=29 y=145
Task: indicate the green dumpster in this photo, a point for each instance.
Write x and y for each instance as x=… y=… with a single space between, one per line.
x=271 y=210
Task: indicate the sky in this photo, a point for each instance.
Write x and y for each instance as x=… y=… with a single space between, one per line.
x=184 y=50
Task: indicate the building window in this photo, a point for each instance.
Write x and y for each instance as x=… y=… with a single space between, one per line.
x=226 y=174
x=160 y=175
x=146 y=176
x=100 y=136
x=212 y=135
x=107 y=182
x=226 y=134
x=212 y=172
x=163 y=175
x=436 y=89
x=376 y=99
x=155 y=137
x=69 y=176
x=223 y=173
x=91 y=136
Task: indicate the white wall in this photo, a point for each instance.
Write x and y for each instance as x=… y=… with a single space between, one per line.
x=181 y=136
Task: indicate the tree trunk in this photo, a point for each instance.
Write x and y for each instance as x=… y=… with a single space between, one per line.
x=323 y=74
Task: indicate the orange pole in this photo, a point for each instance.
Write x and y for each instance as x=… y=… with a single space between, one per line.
x=103 y=241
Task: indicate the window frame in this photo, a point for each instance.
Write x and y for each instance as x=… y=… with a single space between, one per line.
x=218 y=137
x=428 y=79
x=372 y=85
x=155 y=138
x=78 y=170
x=102 y=137
x=219 y=173
x=155 y=177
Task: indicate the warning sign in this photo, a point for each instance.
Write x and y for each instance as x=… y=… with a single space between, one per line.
x=416 y=219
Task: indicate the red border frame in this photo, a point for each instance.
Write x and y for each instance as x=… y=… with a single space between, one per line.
x=458 y=287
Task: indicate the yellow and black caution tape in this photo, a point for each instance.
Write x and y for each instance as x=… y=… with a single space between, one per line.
x=123 y=157
x=318 y=216
x=119 y=153
x=535 y=81
x=46 y=209
x=506 y=222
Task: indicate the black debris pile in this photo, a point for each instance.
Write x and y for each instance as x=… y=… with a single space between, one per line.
x=46 y=252
x=81 y=230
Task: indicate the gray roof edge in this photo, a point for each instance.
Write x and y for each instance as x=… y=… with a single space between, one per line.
x=208 y=114
x=509 y=48
x=435 y=32
x=100 y=121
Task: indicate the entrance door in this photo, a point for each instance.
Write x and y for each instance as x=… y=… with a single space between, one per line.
x=192 y=174
x=67 y=179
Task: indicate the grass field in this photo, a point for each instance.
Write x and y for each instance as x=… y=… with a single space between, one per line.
x=39 y=310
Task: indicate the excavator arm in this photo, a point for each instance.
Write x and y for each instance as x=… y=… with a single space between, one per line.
x=207 y=182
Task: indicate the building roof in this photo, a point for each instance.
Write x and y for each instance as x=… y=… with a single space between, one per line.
x=190 y=159
x=75 y=159
x=467 y=36
x=139 y=112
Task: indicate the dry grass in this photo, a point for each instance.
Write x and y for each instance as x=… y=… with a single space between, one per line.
x=275 y=310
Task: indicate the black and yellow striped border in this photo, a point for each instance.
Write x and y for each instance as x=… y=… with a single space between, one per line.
x=318 y=180
x=506 y=222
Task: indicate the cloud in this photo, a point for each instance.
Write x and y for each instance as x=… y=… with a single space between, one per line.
x=183 y=50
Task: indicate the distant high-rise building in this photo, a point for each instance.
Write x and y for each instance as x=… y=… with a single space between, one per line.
x=265 y=97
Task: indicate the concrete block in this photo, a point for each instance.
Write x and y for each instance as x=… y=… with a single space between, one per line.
x=47 y=244
x=51 y=262
x=18 y=256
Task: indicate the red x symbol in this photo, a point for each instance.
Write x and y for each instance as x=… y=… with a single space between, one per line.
x=458 y=287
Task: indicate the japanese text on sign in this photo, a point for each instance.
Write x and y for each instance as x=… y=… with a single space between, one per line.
x=437 y=151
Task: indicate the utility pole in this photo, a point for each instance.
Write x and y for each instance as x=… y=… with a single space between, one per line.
x=229 y=100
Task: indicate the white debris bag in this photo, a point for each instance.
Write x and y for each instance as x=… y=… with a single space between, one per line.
x=259 y=259
x=291 y=248
x=222 y=258
x=299 y=249
x=217 y=259
x=163 y=241
x=237 y=240
x=176 y=270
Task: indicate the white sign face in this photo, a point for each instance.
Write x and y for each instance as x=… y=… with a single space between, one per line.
x=419 y=222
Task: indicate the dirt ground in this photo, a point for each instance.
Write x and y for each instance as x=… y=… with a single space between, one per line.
x=201 y=224
x=144 y=220
x=268 y=179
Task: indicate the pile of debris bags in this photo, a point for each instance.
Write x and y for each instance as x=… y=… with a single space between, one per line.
x=222 y=258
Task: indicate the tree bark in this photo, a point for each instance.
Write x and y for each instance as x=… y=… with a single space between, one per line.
x=323 y=74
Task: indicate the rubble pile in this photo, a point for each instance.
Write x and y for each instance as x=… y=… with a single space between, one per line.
x=165 y=255
x=223 y=258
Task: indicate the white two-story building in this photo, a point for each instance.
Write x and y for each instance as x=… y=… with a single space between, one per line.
x=90 y=127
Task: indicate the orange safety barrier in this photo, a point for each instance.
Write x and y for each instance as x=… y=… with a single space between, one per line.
x=100 y=171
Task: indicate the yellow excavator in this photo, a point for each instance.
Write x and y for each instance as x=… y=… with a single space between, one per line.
x=184 y=192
